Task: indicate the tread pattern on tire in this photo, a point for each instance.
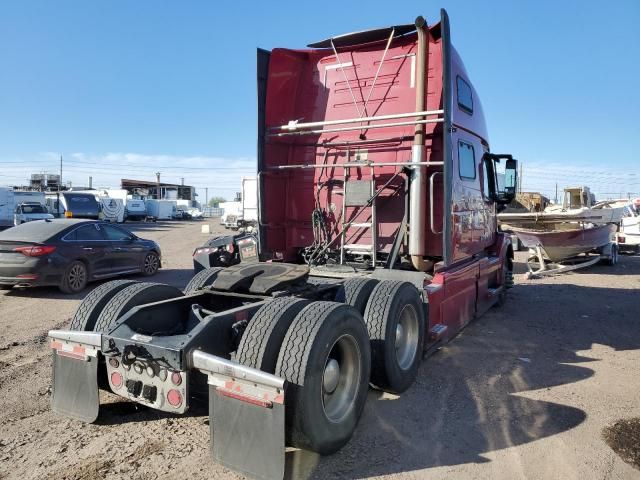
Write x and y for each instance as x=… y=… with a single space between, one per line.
x=89 y=310
x=258 y=333
x=202 y=279
x=114 y=309
x=292 y=361
x=378 y=308
x=376 y=315
x=354 y=291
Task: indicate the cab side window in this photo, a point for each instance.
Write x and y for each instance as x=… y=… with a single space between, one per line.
x=466 y=161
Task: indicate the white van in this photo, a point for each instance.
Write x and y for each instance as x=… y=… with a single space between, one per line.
x=29 y=211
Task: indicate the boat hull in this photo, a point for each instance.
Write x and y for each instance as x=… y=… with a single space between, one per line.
x=563 y=244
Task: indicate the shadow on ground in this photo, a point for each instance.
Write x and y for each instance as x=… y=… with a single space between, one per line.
x=465 y=402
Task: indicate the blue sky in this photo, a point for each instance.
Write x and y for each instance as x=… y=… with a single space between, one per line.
x=136 y=87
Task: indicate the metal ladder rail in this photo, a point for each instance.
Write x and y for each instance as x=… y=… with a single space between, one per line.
x=371 y=224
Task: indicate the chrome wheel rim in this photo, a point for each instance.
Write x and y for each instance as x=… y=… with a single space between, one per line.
x=150 y=263
x=341 y=378
x=406 y=341
x=77 y=277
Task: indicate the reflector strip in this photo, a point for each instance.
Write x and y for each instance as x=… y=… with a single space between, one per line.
x=245 y=398
x=73 y=350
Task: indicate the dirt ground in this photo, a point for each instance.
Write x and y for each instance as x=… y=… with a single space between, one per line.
x=524 y=392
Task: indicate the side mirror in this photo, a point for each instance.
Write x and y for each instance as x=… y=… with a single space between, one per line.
x=502 y=181
x=510 y=178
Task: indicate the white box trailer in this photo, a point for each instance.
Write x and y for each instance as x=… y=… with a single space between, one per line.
x=30 y=197
x=161 y=209
x=250 y=200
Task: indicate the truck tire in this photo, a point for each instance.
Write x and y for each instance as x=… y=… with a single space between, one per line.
x=133 y=296
x=89 y=310
x=395 y=321
x=260 y=344
x=356 y=292
x=325 y=359
x=203 y=278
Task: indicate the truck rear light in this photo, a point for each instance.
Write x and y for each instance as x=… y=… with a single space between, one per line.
x=176 y=378
x=114 y=362
x=36 y=251
x=174 y=398
x=68 y=214
x=150 y=371
x=230 y=248
x=116 y=379
x=162 y=374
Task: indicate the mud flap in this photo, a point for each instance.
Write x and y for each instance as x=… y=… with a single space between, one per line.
x=246 y=417
x=75 y=375
x=75 y=388
x=247 y=438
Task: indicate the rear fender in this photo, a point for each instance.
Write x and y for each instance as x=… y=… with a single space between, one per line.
x=246 y=416
x=75 y=374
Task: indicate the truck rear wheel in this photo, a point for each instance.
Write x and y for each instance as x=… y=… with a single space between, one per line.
x=203 y=278
x=356 y=292
x=260 y=344
x=325 y=358
x=395 y=321
x=130 y=297
x=89 y=310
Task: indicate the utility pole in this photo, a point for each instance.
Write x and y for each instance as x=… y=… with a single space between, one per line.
x=182 y=181
x=206 y=196
x=90 y=182
x=60 y=184
x=556 y=199
x=520 y=182
x=158 y=185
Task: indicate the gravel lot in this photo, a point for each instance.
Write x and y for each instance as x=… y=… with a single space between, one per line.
x=524 y=392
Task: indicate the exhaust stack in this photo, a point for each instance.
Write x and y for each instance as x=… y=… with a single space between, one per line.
x=418 y=185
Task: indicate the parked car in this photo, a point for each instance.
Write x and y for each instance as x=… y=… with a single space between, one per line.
x=29 y=211
x=195 y=213
x=69 y=253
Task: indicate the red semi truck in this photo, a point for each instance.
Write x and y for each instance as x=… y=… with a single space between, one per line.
x=377 y=243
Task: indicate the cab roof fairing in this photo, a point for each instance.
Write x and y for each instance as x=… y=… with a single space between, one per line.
x=475 y=123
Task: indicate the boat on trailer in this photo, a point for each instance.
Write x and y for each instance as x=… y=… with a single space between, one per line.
x=564 y=237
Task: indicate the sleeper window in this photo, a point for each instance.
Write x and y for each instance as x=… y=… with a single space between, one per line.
x=465 y=96
x=466 y=161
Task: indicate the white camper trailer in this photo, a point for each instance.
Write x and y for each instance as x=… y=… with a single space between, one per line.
x=136 y=209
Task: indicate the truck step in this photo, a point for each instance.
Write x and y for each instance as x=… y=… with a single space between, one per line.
x=493 y=292
x=358 y=247
x=437 y=331
x=361 y=225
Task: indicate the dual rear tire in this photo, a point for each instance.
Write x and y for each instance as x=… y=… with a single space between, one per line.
x=328 y=353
